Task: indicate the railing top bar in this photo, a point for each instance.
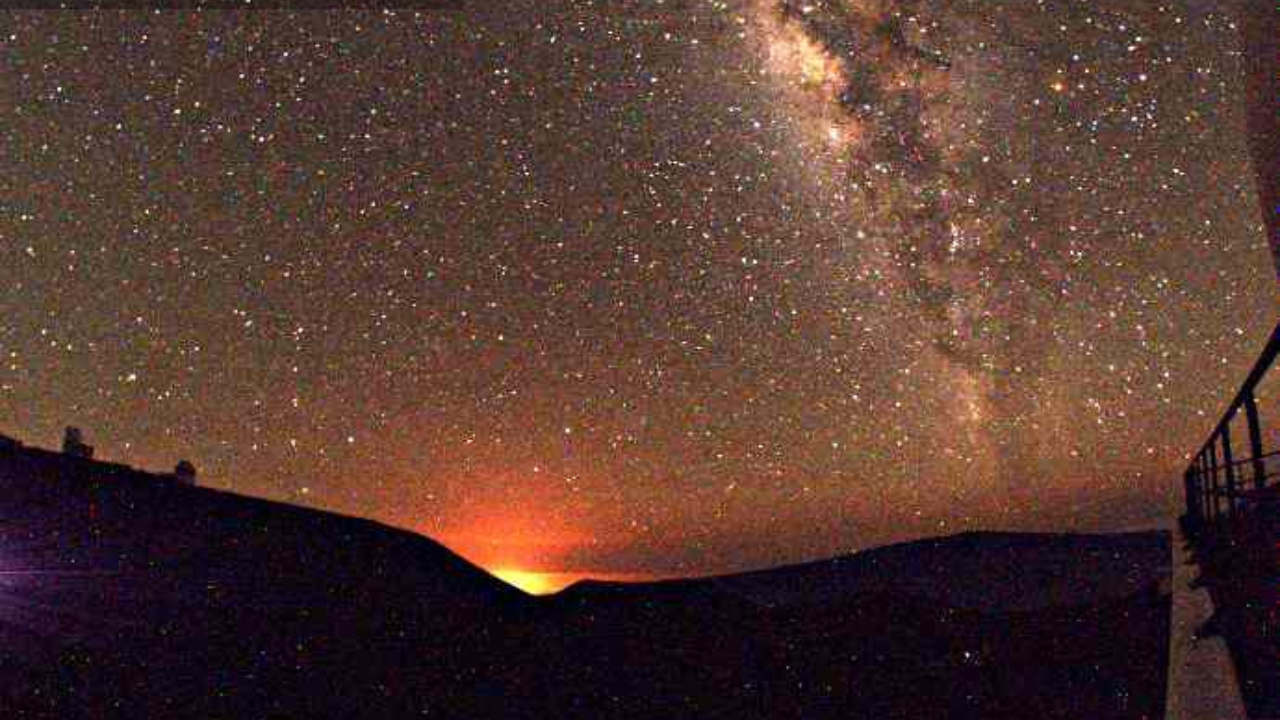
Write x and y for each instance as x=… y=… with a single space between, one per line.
x=1243 y=461
x=1259 y=370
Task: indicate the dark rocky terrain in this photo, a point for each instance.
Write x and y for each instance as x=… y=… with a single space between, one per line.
x=126 y=594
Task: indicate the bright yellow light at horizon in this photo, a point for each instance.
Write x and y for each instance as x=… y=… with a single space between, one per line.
x=534 y=583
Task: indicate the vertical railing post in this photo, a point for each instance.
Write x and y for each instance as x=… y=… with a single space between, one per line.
x=1199 y=476
x=1213 y=475
x=1189 y=493
x=1195 y=498
x=1255 y=440
x=1229 y=468
x=1206 y=485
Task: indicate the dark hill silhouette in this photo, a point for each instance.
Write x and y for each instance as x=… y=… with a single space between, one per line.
x=979 y=570
x=983 y=571
x=937 y=628
x=126 y=591
x=126 y=594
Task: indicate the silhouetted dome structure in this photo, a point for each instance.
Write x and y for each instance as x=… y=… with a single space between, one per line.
x=185 y=473
x=73 y=444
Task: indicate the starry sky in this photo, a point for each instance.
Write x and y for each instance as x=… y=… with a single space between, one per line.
x=634 y=289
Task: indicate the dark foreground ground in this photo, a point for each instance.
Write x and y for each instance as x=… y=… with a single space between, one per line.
x=126 y=595
x=1239 y=563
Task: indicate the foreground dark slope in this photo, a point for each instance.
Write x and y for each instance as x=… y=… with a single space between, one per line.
x=127 y=595
x=929 y=629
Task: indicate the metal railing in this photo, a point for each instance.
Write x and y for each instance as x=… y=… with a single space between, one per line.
x=1218 y=482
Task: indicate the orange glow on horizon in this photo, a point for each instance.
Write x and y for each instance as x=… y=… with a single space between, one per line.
x=525 y=543
x=534 y=583
x=547 y=583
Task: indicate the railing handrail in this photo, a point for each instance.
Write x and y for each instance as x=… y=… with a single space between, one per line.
x=1248 y=460
x=1251 y=382
x=1216 y=470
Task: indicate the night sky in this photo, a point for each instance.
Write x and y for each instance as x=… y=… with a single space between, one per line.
x=638 y=288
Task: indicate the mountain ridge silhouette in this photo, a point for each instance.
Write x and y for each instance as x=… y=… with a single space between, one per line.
x=126 y=594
